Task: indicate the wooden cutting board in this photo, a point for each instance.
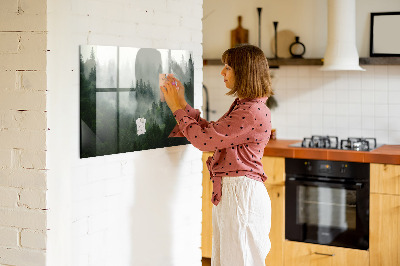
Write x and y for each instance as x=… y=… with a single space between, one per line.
x=239 y=35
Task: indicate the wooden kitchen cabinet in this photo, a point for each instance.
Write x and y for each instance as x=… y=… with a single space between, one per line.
x=305 y=254
x=384 y=236
x=385 y=178
x=274 y=168
x=385 y=215
x=206 y=225
x=277 y=233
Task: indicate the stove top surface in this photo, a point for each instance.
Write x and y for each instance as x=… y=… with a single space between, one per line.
x=332 y=142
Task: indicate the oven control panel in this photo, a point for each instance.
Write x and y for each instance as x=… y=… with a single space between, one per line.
x=337 y=169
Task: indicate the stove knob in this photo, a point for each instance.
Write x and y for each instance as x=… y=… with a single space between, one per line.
x=308 y=166
x=343 y=168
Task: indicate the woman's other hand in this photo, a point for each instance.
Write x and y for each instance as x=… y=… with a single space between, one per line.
x=172 y=94
x=181 y=92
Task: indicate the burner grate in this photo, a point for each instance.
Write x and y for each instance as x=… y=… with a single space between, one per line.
x=358 y=144
x=327 y=142
x=332 y=142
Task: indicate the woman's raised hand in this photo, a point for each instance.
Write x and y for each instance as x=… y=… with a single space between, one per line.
x=181 y=92
x=174 y=94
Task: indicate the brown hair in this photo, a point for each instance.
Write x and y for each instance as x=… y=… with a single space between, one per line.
x=250 y=66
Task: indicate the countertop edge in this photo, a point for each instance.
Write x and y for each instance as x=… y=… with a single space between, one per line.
x=386 y=154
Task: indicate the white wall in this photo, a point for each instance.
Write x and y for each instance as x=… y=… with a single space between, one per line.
x=311 y=102
x=306 y=19
x=140 y=208
x=23 y=133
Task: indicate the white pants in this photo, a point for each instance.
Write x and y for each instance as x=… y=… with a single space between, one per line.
x=241 y=223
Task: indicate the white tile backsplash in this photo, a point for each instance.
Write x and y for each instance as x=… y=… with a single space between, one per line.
x=343 y=103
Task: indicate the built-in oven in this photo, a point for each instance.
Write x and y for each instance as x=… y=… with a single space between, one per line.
x=327 y=202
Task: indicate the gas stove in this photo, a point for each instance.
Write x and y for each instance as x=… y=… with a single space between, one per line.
x=332 y=142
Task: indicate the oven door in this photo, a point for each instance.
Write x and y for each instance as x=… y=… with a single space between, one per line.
x=327 y=213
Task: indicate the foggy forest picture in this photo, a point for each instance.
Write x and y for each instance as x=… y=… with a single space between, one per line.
x=121 y=107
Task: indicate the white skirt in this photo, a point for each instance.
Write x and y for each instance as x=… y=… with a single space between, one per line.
x=241 y=223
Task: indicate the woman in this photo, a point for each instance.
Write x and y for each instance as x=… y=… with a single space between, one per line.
x=242 y=208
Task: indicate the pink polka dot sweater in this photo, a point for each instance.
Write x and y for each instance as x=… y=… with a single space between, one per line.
x=238 y=139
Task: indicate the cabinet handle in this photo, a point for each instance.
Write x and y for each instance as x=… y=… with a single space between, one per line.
x=324 y=254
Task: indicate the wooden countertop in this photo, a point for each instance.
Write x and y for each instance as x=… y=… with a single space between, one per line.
x=389 y=154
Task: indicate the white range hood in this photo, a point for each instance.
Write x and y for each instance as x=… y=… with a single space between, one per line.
x=341 y=51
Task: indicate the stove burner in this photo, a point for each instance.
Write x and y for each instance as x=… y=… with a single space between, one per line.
x=328 y=142
x=358 y=144
x=332 y=142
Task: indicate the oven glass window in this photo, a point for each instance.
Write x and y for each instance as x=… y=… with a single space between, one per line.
x=326 y=207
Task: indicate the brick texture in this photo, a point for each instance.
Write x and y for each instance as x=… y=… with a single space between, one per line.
x=23 y=126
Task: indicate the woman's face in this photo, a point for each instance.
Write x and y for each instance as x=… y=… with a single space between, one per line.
x=229 y=76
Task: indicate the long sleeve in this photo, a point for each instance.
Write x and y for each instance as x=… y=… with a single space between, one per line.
x=193 y=113
x=238 y=139
x=231 y=130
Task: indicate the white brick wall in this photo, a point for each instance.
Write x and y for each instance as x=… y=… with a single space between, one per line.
x=23 y=132
x=140 y=208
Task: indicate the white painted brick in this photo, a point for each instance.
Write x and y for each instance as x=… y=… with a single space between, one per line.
x=96 y=173
x=197 y=166
x=5 y=158
x=36 y=7
x=23 y=178
x=7 y=80
x=23 y=100
x=31 y=159
x=79 y=176
x=149 y=6
x=153 y=32
x=8 y=7
x=32 y=17
x=177 y=8
x=22 y=218
x=9 y=42
x=17 y=256
x=168 y=19
x=8 y=197
x=80 y=227
x=196 y=37
x=23 y=139
x=31 y=55
x=33 y=199
x=197 y=10
x=31 y=80
x=98 y=222
x=35 y=120
x=9 y=237
x=192 y=23
x=16 y=158
x=114 y=186
x=33 y=239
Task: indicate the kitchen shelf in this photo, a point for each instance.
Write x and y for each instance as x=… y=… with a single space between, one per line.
x=274 y=63
x=380 y=61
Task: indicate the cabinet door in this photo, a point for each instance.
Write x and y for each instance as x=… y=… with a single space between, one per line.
x=206 y=226
x=274 y=168
x=385 y=178
x=384 y=230
x=277 y=233
x=304 y=254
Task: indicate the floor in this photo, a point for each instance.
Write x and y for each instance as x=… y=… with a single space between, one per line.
x=206 y=261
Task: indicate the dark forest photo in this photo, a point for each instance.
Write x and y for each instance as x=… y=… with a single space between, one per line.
x=120 y=99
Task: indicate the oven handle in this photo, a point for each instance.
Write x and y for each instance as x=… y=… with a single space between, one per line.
x=357 y=185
